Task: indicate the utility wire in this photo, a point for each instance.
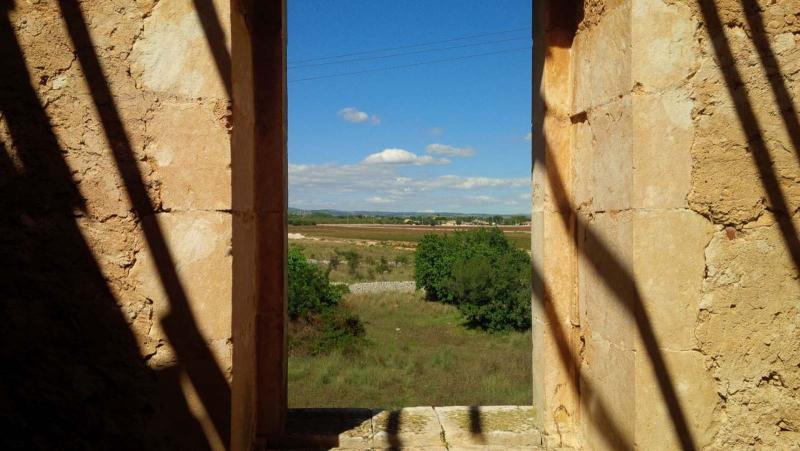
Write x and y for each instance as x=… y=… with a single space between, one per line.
x=423 y=44
x=423 y=63
x=415 y=52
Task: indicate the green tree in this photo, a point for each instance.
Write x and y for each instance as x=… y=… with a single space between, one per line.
x=481 y=273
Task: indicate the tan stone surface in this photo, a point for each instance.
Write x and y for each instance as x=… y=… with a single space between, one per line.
x=343 y=428
x=669 y=266
x=185 y=67
x=603 y=155
x=602 y=59
x=662 y=37
x=408 y=427
x=663 y=134
x=190 y=152
x=507 y=426
x=696 y=393
x=606 y=292
x=200 y=246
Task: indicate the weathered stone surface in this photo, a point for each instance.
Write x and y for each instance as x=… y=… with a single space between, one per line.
x=415 y=427
x=669 y=266
x=662 y=43
x=329 y=428
x=602 y=59
x=507 y=426
x=605 y=278
x=200 y=246
x=663 y=134
x=186 y=67
x=190 y=152
x=603 y=155
x=696 y=393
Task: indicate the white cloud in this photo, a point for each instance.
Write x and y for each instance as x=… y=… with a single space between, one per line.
x=435 y=131
x=379 y=200
x=402 y=156
x=351 y=114
x=450 y=151
x=401 y=187
x=458 y=182
x=528 y=137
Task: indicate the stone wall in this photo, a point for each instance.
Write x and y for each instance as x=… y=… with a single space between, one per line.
x=115 y=225
x=680 y=171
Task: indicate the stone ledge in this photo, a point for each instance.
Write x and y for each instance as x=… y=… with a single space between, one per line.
x=422 y=428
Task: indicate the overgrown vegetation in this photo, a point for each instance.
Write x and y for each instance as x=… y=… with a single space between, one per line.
x=352 y=263
x=418 y=354
x=320 y=323
x=479 y=272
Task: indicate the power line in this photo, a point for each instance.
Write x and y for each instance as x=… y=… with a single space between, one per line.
x=423 y=44
x=409 y=65
x=415 y=52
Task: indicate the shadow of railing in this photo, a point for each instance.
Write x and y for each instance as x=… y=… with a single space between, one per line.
x=215 y=38
x=78 y=379
x=476 y=423
x=613 y=271
x=614 y=274
x=737 y=88
x=179 y=325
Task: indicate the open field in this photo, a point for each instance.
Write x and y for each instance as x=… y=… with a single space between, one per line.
x=396 y=234
x=419 y=354
x=400 y=260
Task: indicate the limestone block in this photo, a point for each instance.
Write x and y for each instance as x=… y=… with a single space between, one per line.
x=343 y=428
x=552 y=174
x=408 y=427
x=190 y=151
x=663 y=41
x=556 y=265
x=605 y=280
x=608 y=395
x=199 y=243
x=601 y=58
x=556 y=77
x=506 y=426
x=554 y=394
x=697 y=396
x=603 y=152
x=669 y=266
x=663 y=134
x=173 y=56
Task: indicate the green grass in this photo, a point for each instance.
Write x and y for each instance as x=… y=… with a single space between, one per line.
x=419 y=354
x=521 y=239
x=370 y=258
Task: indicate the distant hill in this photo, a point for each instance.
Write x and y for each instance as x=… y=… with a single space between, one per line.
x=391 y=214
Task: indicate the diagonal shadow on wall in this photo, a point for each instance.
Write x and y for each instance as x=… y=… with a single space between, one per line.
x=179 y=325
x=615 y=275
x=746 y=114
x=78 y=380
x=215 y=38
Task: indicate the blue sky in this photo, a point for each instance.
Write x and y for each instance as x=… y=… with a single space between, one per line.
x=451 y=136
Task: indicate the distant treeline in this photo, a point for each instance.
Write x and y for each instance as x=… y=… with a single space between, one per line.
x=301 y=219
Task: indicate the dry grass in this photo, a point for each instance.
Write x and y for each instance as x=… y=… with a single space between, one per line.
x=400 y=234
x=401 y=260
x=419 y=355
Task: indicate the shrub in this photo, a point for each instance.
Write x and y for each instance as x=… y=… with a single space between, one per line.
x=383 y=266
x=319 y=322
x=479 y=271
x=353 y=258
x=310 y=291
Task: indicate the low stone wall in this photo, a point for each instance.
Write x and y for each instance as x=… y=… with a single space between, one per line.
x=379 y=287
